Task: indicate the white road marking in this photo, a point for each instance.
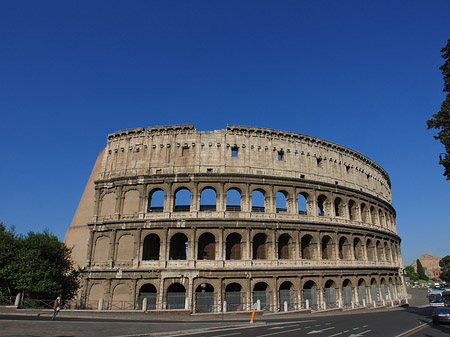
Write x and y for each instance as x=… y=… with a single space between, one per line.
x=355 y=328
x=283 y=327
x=319 y=331
x=360 y=334
x=336 y=334
x=230 y=334
x=279 y=332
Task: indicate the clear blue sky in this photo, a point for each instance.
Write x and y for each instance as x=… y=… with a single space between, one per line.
x=363 y=74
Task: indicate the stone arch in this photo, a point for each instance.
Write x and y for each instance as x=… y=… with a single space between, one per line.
x=285 y=247
x=310 y=294
x=182 y=200
x=281 y=201
x=125 y=248
x=387 y=251
x=352 y=210
x=101 y=249
x=95 y=293
x=364 y=213
x=330 y=294
x=339 y=207
x=380 y=251
x=208 y=199
x=362 y=292
x=151 y=247
x=374 y=290
x=156 y=199
x=302 y=202
x=358 y=249
x=233 y=199
x=148 y=291
x=204 y=298
x=345 y=251
x=234 y=297
x=131 y=201
x=327 y=248
x=206 y=247
x=121 y=297
x=307 y=247
x=260 y=247
x=178 y=247
x=108 y=204
x=258 y=200
x=347 y=293
x=383 y=289
x=261 y=293
x=233 y=247
x=321 y=205
x=176 y=297
x=370 y=249
x=373 y=216
x=286 y=295
x=381 y=218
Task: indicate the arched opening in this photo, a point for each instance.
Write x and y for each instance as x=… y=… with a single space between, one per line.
x=306 y=246
x=347 y=293
x=321 y=204
x=362 y=293
x=281 y=202
x=234 y=297
x=150 y=251
x=208 y=200
x=352 y=210
x=284 y=247
x=156 y=201
x=182 y=200
x=330 y=294
x=147 y=291
x=380 y=251
x=260 y=293
x=381 y=217
x=383 y=290
x=259 y=246
x=327 y=248
x=176 y=297
x=287 y=296
x=258 y=201
x=310 y=295
x=233 y=200
x=374 y=290
x=344 y=249
x=233 y=247
x=373 y=216
x=358 y=249
x=364 y=213
x=178 y=247
x=338 y=207
x=204 y=298
x=387 y=250
x=206 y=247
x=302 y=203
x=370 y=248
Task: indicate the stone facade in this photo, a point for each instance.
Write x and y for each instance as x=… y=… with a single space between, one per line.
x=204 y=221
x=431 y=265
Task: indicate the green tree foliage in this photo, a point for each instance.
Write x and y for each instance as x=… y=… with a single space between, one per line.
x=411 y=273
x=444 y=263
x=441 y=120
x=421 y=271
x=37 y=264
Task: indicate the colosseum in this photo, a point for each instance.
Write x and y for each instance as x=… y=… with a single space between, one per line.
x=230 y=220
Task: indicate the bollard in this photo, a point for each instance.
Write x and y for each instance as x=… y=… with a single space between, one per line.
x=307 y=304
x=364 y=302
x=285 y=306
x=384 y=303
x=324 y=305
x=258 y=305
x=100 y=304
x=353 y=305
x=18 y=298
x=374 y=304
x=186 y=303
x=144 y=304
x=224 y=306
x=252 y=320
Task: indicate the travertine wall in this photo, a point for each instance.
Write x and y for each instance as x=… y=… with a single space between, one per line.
x=325 y=230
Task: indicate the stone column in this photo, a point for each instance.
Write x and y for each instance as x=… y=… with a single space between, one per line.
x=221 y=198
x=112 y=248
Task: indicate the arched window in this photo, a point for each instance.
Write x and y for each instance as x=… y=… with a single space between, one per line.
x=156 y=201
x=373 y=215
x=387 y=251
x=380 y=251
x=284 y=247
x=381 y=217
x=330 y=294
x=370 y=248
x=147 y=291
x=150 y=250
x=206 y=247
x=287 y=296
x=176 y=297
x=321 y=204
x=339 y=207
x=234 y=297
x=327 y=250
x=260 y=293
x=358 y=249
x=310 y=295
x=374 y=290
x=208 y=200
x=258 y=201
x=362 y=292
x=347 y=293
x=344 y=249
x=364 y=213
x=281 y=202
x=233 y=247
x=182 y=200
x=306 y=246
x=302 y=208
x=352 y=210
x=259 y=246
x=204 y=298
x=233 y=200
x=178 y=247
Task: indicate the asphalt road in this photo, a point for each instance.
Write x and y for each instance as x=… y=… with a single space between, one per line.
x=396 y=322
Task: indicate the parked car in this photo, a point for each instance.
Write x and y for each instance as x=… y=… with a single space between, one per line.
x=441 y=315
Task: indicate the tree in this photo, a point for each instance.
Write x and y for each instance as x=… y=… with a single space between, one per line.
x=38 y=264
x=411 y=273
x=444 y=263
x=441 y=120
x=421 y=271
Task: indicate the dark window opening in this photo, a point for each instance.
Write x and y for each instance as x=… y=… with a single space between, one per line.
x=234 y=151
x=281 y=155
x=233 y=247
x=150 y=250
x=206 y=247
x=259 y=246
x=178 y=247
